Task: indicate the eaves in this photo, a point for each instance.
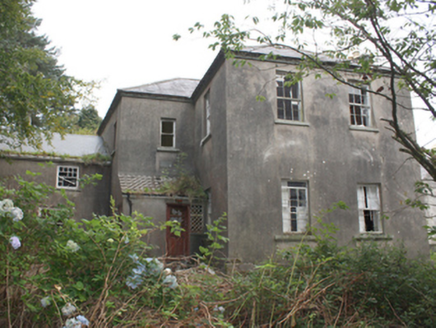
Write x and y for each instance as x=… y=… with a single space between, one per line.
x=134 y=94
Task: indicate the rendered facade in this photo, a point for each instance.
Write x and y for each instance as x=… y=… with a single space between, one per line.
x=63 y=165
x=271 y=165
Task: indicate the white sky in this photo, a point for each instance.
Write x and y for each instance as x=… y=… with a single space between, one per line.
x=129 y=43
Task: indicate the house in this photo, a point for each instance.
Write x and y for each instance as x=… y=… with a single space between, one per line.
x=271 y=165
x=65 y=163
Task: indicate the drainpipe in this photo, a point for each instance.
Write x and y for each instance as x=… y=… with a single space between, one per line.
x=129 y=201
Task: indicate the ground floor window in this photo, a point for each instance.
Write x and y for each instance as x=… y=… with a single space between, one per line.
x=368 y=197
x=196 y=212
x=67 y=177
x=294 y=206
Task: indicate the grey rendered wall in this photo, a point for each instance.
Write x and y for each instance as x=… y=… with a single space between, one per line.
x=89 y=200
x=211 y=153
x=110 y=136
x=156 y=208
x=326 y=153
x=138 y=148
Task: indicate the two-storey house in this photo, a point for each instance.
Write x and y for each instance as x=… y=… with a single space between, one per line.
x=271 y=165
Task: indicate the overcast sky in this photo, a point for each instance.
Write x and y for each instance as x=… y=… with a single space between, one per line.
x=129 y=43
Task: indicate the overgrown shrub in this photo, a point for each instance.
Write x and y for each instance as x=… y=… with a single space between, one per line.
x=54 y=268
x=55 y=272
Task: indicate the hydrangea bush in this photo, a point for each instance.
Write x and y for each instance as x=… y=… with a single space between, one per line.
x=65 y=273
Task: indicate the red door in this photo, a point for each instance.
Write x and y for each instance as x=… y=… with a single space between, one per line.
x=178 y=245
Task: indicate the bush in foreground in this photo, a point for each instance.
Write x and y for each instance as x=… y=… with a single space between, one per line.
x=57 y=272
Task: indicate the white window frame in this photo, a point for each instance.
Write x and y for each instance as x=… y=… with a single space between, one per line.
x=360 y=107
x=162 y=133
x=295 y=212
x=206 y=113
x=61 y=178
x=369 y=206
x=289 y=98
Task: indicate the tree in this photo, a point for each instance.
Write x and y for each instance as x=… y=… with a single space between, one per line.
x=35 y=93
x=372 y=38
x=89 y=119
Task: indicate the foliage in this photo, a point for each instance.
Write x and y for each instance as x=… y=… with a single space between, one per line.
x=89 y=119
x=55 y=268
x=56 y=271
x=180 y=182
x=215 y=240
x=35 y=93
x=374 y=39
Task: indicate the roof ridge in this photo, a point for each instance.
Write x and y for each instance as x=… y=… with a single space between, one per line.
x=160 y=82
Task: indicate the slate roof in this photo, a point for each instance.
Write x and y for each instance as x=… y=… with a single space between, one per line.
x=144 y=184
x=281 y=51
x=174 y=87
x=71 y=145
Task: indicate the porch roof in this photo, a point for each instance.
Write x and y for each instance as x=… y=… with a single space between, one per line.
x=142 y=184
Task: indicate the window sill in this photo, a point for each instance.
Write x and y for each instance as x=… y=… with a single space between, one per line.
x=363 y=128
x=205 y=139
x=293 y=237
x=168 y=149
x=375 y=236
x=289 y=122
x=69 y=189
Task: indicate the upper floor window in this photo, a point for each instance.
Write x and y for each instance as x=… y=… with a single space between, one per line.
x=294 y=206
x=289 y=105
x=360 y=109
x=368 y=199
x=206 y=114
x=67 y=177
x=168 y=133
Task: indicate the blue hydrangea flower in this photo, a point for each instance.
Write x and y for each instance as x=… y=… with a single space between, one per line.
x=155 y=266
x=73 y=323
x=15 y=242
x=82 y=320
x=134 y=281
x=45 y=301
x=140 y=269
x=134 y=257
x=68 y=309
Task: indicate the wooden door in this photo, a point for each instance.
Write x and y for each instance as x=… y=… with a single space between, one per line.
x=178 y=245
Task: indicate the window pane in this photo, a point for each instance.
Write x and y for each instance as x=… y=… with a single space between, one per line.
x=302 y=194
x=296 y=111
x=167 y=127
x=279 y=88
x=288 y=110
x=167 y=140
x=295 y=91
x=296 y=184
x=280 y=111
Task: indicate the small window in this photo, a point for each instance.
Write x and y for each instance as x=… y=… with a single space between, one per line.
x=294 y=206
x=168 y=133
x=360 y=110
x=289 y=105
x=196 y=216
x=206 y=127
x=368 y=198
x=67 y=177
